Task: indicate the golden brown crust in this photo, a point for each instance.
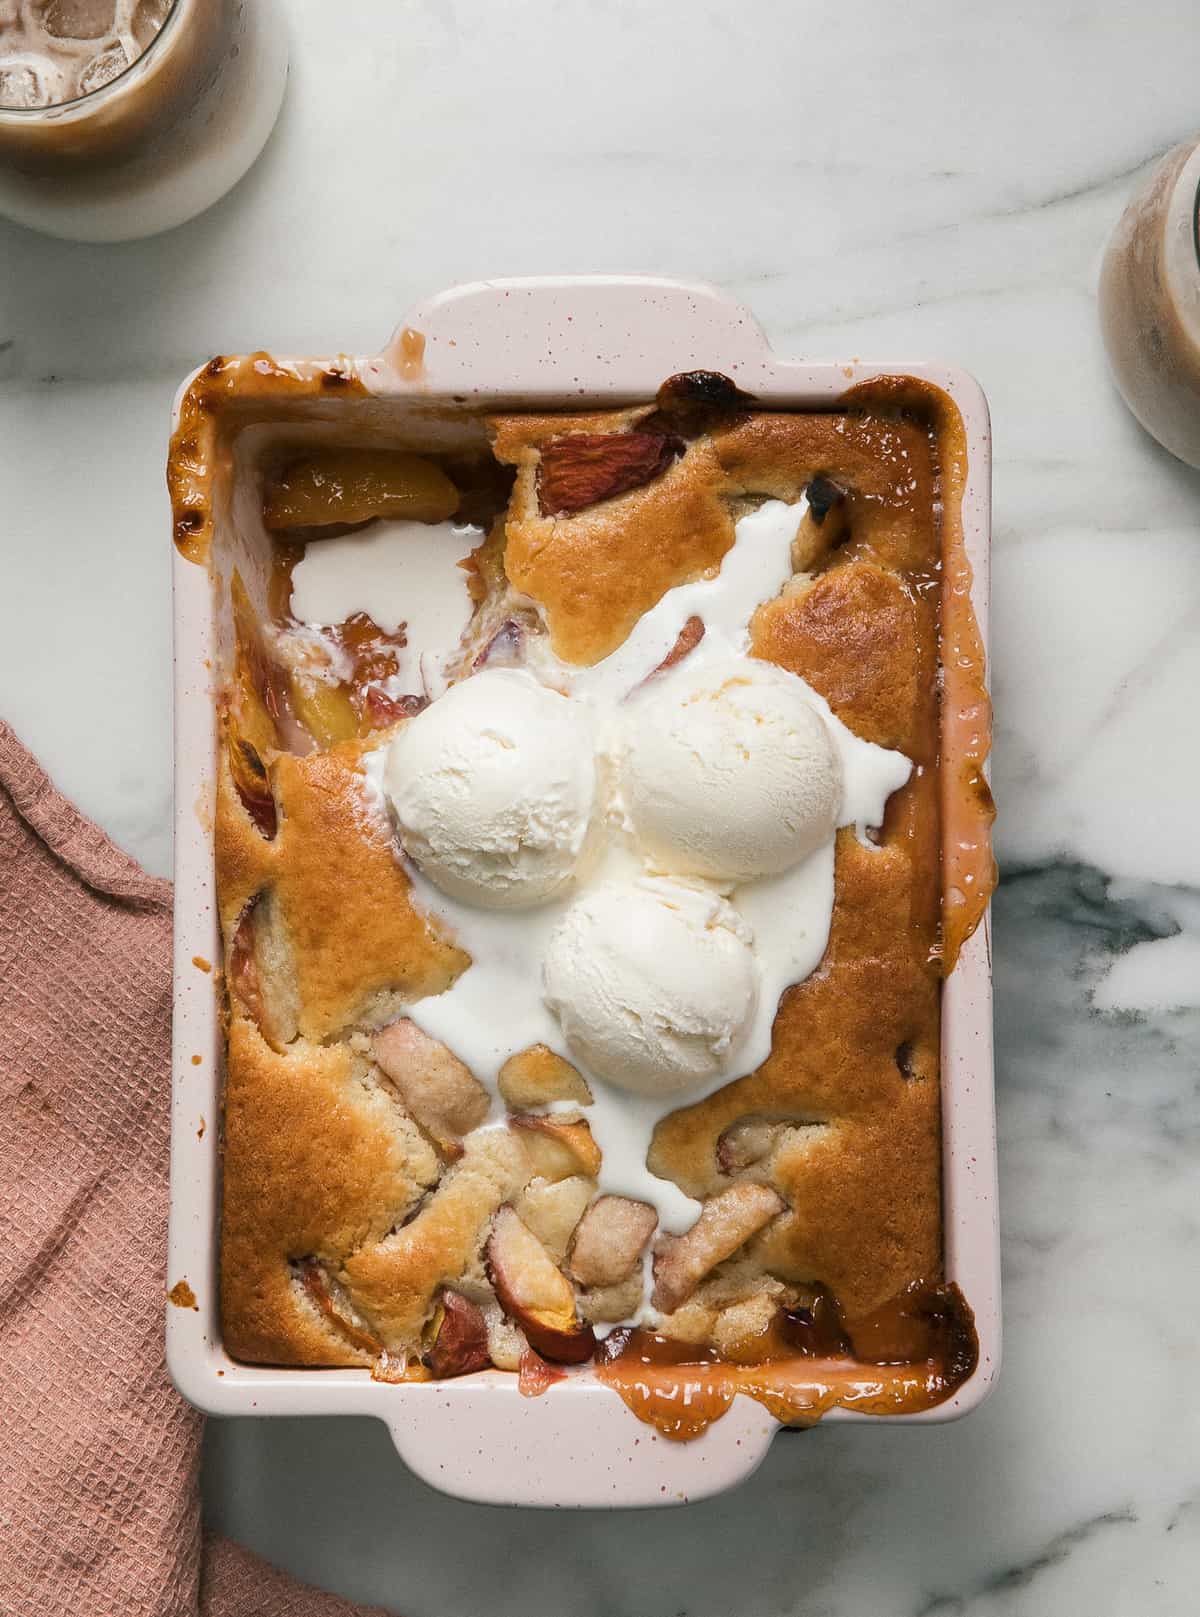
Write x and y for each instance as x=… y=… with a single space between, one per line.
x=884 y=465
x=352 y=949
x=596 y=573
x=319 y=1159
x=854 y=634
x=359 y=947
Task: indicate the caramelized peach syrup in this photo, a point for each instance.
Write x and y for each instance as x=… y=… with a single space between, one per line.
x=968 y=868
x=273 y=707
x=911 y=1354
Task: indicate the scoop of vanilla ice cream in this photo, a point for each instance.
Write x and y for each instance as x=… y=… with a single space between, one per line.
x=653 y=983
x=729 y=772
x=493 y=787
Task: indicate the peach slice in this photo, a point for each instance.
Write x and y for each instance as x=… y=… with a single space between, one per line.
x=726 y=1222
x=245 y=985
x=579 y=469
x=325 y=711
x=252 y=783
x=747 y=1141
x=329 y=487
x=260 y=688
x=823 y=527
x=256 y=973
x=552 y=1209
x=534 y=1292
x=758 y=1136
x=330 y=1301
x=688 y=638
x=557 y=1149
x=444 y=1097
x=537 y=1077
x=610 y=1239
x=380 y=711
x=459 y=1338
x=505 y=648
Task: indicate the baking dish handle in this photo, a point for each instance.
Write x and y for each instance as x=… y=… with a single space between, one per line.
x=540 y=336
x=477 y=1439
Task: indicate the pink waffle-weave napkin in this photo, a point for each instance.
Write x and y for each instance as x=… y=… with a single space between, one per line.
x=99 y=1456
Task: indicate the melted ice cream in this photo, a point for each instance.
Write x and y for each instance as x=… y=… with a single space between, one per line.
x=498 y=1006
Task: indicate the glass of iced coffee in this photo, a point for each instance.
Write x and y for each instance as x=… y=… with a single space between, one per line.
x=1150 y=303
x=120 y=118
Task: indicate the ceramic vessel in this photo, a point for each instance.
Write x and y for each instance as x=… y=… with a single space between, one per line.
x=579 y=343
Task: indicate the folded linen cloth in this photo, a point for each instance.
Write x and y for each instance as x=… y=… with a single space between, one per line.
x=99 y=1456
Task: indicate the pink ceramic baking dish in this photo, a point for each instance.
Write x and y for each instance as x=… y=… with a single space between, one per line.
x=585 y=342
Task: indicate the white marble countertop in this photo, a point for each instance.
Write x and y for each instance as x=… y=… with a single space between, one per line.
x=892 y=183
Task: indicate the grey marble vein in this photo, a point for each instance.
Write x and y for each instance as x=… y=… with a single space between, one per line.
x=1012 y=1578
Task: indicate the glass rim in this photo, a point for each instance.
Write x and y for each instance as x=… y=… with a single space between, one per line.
x=79 y=104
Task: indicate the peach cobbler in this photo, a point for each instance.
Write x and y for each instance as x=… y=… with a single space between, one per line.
x=580 y=819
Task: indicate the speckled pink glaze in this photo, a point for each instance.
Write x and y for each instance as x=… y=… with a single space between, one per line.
x=579 y=341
